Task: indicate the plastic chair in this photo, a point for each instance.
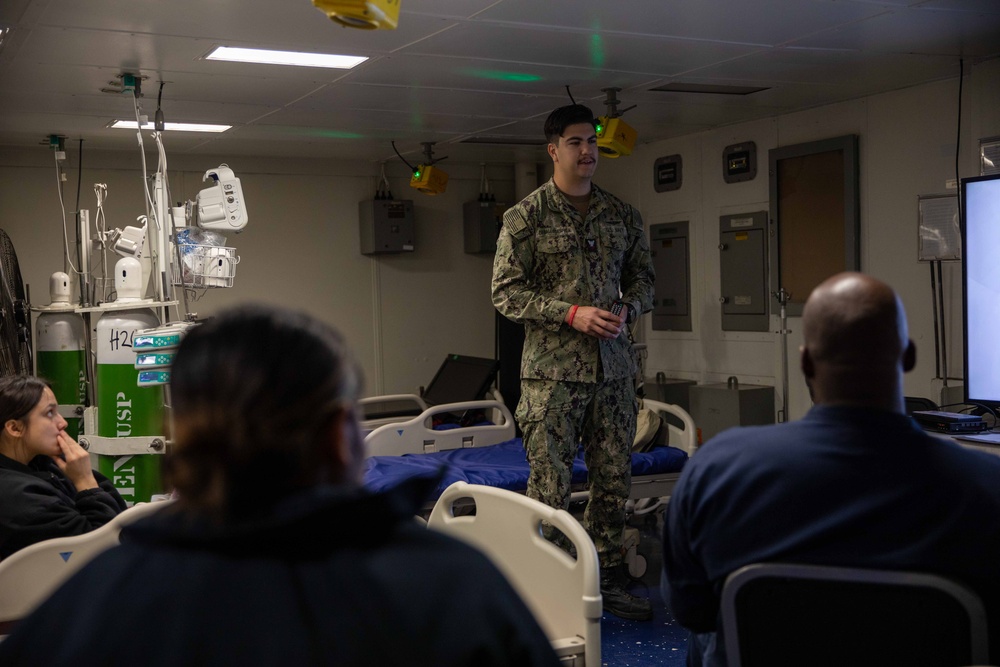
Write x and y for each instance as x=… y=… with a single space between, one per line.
x=562 y=592
x=778 y=614
x=28 y=576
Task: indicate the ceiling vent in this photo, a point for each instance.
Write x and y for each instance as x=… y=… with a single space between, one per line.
x=706 y=88
x=503 y=141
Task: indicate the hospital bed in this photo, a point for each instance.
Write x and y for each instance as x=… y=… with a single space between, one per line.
x=479 y=498
x=489 y=454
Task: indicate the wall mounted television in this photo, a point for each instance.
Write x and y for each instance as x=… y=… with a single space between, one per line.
x=980 y=222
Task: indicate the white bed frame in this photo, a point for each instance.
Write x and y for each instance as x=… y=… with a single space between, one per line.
x=416 y=436
x=410 y=403
x=369 y=425
x=686 y=438
x=662 y=486
x=28 y=576
x=561 y=591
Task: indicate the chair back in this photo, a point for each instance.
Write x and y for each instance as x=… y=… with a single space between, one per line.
x=562 y=592
x=778 y=614
x=28 y=576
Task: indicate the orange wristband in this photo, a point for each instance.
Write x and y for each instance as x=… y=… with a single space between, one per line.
x=572 y=314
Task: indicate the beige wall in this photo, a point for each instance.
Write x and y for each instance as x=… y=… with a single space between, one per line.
x=404 y=313
x=907 y=149
x=401 y=313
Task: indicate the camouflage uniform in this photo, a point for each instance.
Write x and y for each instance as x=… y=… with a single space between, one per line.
x=575 y=387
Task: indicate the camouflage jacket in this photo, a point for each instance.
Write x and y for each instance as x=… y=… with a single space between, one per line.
x=550 y=258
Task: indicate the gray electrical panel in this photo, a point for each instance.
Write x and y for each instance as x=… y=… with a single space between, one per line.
x=668 y=173
x=716 y=407
x=669 y=246
x=743 y=265
x=386 y=226
x=482 y=220
x=739 y=162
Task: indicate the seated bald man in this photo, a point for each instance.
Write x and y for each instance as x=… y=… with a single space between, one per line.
x=855 y=483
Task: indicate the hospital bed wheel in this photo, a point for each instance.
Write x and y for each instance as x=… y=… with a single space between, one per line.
x=637 y=566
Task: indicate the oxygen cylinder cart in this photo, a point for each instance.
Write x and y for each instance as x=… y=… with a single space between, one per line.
x=126 y=432
x=126 y=409
x=97 y=367
x=61 y=352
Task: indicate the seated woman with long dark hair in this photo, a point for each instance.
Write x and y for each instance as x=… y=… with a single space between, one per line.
x=47 y=488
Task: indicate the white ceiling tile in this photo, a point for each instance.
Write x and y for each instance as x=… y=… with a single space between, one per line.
x=595 y=52
x=761 y=22
x=921 y=30
x=456 y=69
x=279 y=24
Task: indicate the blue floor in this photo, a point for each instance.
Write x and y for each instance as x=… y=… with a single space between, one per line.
x=660 y=641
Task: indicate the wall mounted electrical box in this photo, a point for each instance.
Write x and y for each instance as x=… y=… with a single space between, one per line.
x=481 y=221
x=739 y=162
x=386 y=226
x=743 y=265
x=670 y=250
x=668 y=173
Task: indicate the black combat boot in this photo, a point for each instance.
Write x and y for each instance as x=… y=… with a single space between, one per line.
x=618 y=600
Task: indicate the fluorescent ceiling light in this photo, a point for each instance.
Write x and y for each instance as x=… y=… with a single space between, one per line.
x=182 y=127
x=264 y=56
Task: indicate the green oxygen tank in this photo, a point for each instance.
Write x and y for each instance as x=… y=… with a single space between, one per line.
x=60 y=350
x=124 y=409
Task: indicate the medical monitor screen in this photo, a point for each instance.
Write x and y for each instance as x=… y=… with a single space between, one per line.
x=981 y=283
x=461 y=378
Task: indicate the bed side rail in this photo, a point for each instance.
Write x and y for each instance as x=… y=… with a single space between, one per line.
x=415 y=436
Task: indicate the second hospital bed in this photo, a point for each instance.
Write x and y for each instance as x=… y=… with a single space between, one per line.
x=490 y=454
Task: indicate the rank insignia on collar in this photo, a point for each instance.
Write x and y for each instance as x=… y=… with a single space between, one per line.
x=592 y=245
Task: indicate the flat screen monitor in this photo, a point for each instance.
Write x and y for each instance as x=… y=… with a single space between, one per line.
x=461 y=378
x=980 y=211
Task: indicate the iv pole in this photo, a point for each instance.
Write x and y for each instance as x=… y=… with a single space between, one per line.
x=783 y=298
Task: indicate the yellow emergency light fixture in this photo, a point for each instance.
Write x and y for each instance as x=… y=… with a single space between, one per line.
x=364 y=14
x=615 y=137
x=429 y=180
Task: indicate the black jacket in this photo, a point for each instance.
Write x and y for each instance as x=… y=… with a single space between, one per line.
x=328 y=577
x=38 y=502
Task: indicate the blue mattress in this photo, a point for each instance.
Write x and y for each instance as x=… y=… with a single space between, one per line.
x=503 y=465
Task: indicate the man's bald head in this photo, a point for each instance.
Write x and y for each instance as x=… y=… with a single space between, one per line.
x=855 y=346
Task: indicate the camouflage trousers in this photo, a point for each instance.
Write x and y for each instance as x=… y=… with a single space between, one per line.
x=555 y=417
